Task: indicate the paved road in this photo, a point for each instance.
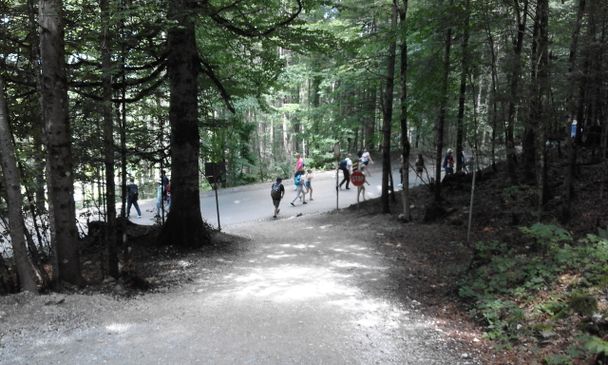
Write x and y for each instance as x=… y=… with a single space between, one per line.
x=253 y=203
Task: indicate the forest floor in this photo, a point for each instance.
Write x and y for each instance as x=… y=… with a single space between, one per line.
x=353 y=287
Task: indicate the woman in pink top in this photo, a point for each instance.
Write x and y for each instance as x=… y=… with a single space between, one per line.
x=299 y=170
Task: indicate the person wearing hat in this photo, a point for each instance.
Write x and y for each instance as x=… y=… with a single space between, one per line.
x=448 y=162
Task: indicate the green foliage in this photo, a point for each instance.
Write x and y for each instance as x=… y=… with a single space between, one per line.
x=558 y=359
x=596 y=345
x=506 y=279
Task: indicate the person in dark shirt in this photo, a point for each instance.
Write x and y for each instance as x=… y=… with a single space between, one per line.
x=132 y=196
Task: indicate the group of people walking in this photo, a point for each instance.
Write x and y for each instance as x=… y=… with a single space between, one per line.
x=163 y=196
x=303 y=179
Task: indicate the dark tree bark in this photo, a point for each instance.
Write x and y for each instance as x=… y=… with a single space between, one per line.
x=36 y=112
x=494 y=96
x=184 y=227
x=58 y=139
x=108 y=134
x=439 y=126
x=572 y=107
x=12 y=179
x=541 y=99
x=518 y=43
x=463 y=87
x=405 y=142
x=388 y=112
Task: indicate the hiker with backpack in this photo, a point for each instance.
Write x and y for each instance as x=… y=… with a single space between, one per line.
x=298 y=181
x=277 y=191
x=346 y=165
x=448 y=163
x=132 y=196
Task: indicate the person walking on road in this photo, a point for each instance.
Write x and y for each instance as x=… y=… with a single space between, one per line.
x=132 y=196
x=299 y=183
x=366 y=159
x=308 y=183
x=346 y=165
x=299 y=168
x=448 y=163
x=277 y=191
x=361 y=188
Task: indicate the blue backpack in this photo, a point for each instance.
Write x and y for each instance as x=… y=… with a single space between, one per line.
x=298 y=179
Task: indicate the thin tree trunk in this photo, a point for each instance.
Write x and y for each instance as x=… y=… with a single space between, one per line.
x=108 y=134
x=184 y=226
x=388 y=111
x=442 y=113
x=58 y=139
x=568 y=184
x=405 y=142
x=522 y=17
x=541 y=96
x=12 y=179
x=463 y=89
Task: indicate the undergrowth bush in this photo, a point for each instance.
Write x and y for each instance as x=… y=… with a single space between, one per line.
x=518 y=291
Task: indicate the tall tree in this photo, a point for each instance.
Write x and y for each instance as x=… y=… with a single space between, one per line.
x=387 y=110
x=540 y=97
x=572 y=108
x=439 y=126
x=108 y=137
x=463 y=86
x=405 y=142
x=521 y=13
x=184 y=226
x=12 y=179
x=58 y=139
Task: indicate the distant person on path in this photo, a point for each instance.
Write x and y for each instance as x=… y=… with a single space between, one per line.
x=308 y=183
x=419 y=164
x=448 y=163
x=298 y=169
x=366 y=159
x=277 y=192
x=299 y=183
x=132 y=196
x=462 y=160
x=163 y=195
x=361 y=189
x=346 y=165
x=164 y=180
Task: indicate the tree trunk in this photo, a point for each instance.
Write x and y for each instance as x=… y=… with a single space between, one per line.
x=541 y=100
x=442 y=113
x=388 y=112
x=184 y=227
x=405 y=142
x=37 y=122
x=12 y=179
x=572 y=107
x=522 y=17
x=58 y=139
x=463 y=89
x=494 y=95
x=108 y=134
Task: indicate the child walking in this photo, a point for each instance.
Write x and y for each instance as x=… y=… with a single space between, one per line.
x=299 y=183
x=277 y=191
x=308 y=182
x=361 y=189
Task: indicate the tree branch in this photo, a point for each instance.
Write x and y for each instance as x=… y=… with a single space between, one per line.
x=208 y=70
x=250 y=30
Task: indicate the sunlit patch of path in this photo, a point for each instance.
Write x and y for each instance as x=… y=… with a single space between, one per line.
x=300 y=294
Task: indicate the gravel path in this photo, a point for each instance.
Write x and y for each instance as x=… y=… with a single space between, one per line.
x=307 y=290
